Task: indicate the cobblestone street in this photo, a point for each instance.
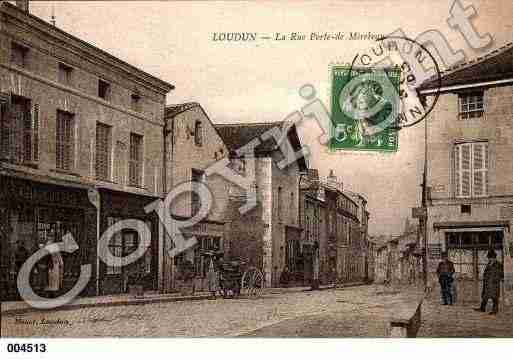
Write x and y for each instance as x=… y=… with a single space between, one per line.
x=350 y=312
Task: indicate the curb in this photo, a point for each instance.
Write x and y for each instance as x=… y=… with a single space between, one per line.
x=133 y=301
x=164 y=299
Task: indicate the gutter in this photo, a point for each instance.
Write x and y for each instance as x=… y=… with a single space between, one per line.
x=465 y=86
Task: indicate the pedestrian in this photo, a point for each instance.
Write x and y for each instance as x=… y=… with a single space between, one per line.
x=213 y=279
x=55 y=273
x=445 y=272
x=493 y=274
x=285 y=277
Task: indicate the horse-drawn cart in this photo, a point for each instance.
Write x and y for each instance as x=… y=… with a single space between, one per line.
x=236 y=278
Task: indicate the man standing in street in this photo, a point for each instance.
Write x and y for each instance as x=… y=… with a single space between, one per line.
x=492 y=277
x=445 y=272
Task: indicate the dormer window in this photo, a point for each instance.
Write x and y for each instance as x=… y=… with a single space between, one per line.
x=103 y=90
x=19 y=54
x=471 y=105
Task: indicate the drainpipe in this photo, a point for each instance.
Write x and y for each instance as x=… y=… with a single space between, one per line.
x=94 y=197
x=162 y=253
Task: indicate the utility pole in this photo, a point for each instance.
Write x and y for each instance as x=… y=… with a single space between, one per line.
x=424 y=210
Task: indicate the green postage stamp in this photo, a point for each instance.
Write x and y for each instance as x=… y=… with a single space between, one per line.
x=364 y=108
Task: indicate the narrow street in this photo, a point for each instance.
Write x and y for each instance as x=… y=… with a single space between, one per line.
x=351 y=312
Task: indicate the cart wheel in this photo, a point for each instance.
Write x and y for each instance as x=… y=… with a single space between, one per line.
x=252 y=283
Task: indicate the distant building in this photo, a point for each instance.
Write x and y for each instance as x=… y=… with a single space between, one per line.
x=269 y=235
x=313 y=220
x=332 y=231
x=80 y=149
x=470 y=167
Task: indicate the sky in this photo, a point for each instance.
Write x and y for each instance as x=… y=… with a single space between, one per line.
x=259 y=81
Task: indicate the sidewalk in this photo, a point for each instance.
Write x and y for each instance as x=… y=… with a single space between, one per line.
x=19 y=307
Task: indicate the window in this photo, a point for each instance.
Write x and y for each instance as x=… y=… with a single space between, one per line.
x=471 y=105
x=122 y=244
x=104 y=90
x=471 y=169
x=279 y=204
x=135 y=163
x=103 y=143
x=19 y=131
x=65 y=140
x=466 y=208
x=65 y=73
x=197 y=176
x=135 y=102
x=291 y=207
x=198 y=136
x=19 y=54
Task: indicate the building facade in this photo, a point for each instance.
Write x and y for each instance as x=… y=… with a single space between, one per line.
x=333 y=236
x=193 y=144
x=469 y=169
x=80 y=142
x=314 y=239
x=269 y=235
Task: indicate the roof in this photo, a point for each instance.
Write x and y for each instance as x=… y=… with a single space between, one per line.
x=236 y=135
x=85 y=46
x=496 y=65
x=173 y=110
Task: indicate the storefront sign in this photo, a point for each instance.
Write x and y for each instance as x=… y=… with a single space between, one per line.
x=206 y=228
x=419 y=212
x=16 y=189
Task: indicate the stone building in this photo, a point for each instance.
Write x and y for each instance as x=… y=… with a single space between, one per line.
x=470 y=168
x=333 y=237
x=193 y=144
x=314 y=239
x=269 y=235
x=80 y=149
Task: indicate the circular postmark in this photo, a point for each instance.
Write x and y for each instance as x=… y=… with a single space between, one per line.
x=417 y=66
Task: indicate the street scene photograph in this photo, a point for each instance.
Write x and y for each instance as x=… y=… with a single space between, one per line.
x=274 y=169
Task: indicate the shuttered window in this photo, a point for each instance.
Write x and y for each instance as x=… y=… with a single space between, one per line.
x=135 y=164
x=19 y=131
x=65 y=140
x=471 y=169
x=197 y=176
x=103 y=144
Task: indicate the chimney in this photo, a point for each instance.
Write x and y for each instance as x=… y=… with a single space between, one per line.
x=23 y=5
x=333 y=182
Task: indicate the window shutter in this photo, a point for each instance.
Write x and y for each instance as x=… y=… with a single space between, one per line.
x=479 y=163
x=27 y=135
x=35 y=132
x=457 y=170
x=4 y=131
x=465 y=169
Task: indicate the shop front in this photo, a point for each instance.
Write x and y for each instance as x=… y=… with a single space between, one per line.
x=117 y=206
x=467 y=247
x=33 y=214
x=210 y=239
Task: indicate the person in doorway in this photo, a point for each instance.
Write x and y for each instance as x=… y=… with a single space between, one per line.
x=285 y=277
x=445 y=272
x=213 y=279
x=492 y=277
x=55 y=273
